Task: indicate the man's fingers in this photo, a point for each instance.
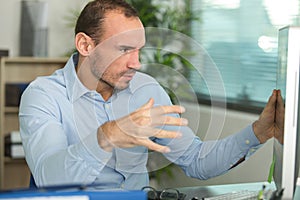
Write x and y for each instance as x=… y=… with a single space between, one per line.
x=175 y=121
x=272 y=99
x=280 y=100
x=169 y=120
x=161 y=110
x=157 y=132
x=160 y=133
x=153 y=146
x=148 y=105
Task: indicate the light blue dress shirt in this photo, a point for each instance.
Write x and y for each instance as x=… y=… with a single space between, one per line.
x=59 y=118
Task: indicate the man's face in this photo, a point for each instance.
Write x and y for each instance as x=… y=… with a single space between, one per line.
x=116 y=58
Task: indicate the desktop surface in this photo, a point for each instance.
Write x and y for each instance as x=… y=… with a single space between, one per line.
x=214 y=190
x=191 y=192
x=297 y=190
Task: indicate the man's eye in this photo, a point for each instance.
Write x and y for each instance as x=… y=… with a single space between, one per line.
x=126 y=50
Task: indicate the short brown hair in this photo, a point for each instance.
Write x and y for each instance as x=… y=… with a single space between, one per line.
x=91 y=17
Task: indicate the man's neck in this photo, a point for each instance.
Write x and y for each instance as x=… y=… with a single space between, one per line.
x=105 y=90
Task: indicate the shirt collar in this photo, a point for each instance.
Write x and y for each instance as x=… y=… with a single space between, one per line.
x=75 y=89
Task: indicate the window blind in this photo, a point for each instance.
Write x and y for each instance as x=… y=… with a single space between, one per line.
x=240 y=36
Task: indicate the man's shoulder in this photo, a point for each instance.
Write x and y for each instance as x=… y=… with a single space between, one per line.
x=143 y=78
x=53 y=81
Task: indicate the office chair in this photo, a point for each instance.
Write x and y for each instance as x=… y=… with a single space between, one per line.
x=32 y=184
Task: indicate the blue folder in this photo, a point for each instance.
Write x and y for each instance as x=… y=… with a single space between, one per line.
x=92 y=195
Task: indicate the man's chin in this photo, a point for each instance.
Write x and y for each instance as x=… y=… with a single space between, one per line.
x=121 y=86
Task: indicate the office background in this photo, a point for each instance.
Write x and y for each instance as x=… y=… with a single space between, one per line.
x=240 y=36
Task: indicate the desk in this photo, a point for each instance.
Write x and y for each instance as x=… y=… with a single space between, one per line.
x=297 y=192
x=191 y=192
x=206 y=191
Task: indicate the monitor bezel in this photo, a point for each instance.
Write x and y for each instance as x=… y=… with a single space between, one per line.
x=286 y=166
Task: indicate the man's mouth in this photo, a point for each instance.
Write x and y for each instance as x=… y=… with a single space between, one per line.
x=129 y=75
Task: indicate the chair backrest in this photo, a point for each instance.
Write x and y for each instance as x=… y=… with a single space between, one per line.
x=32 y=184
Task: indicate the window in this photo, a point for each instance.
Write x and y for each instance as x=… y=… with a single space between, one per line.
x=240 y=36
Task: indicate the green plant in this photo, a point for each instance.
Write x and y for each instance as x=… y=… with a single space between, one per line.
x=166 y=15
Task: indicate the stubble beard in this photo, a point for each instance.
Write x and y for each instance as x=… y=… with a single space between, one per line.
x=104 y=78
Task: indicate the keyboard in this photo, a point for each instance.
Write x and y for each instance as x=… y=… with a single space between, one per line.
x=236 y=195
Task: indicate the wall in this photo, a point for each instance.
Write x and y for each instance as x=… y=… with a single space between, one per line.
x=60 y=36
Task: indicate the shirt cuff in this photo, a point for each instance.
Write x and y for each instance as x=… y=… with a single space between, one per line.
x=246 y=139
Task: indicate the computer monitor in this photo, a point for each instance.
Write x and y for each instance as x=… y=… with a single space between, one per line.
x=287 y=155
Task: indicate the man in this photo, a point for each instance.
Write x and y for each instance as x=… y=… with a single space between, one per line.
x=93 y=121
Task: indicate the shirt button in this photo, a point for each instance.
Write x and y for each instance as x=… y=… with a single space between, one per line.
x=107 y=106
x=252 y=150
x=247 y=142
x=122 y=185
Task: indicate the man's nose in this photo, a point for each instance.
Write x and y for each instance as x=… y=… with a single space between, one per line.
x=134 y=60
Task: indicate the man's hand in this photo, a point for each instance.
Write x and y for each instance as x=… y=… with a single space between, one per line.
x=279 y=118
x=270 y=122
x=136 y=128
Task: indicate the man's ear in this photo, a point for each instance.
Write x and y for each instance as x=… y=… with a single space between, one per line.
x=84 y=44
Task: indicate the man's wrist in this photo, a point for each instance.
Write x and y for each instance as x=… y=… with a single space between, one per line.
x=257 y=129
x=103 y=141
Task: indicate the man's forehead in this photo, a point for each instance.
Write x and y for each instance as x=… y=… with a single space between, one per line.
x=129 y=38
x=116 y=23
x=133 y=39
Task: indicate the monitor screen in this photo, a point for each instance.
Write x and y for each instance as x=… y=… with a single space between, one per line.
x=286 y=158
